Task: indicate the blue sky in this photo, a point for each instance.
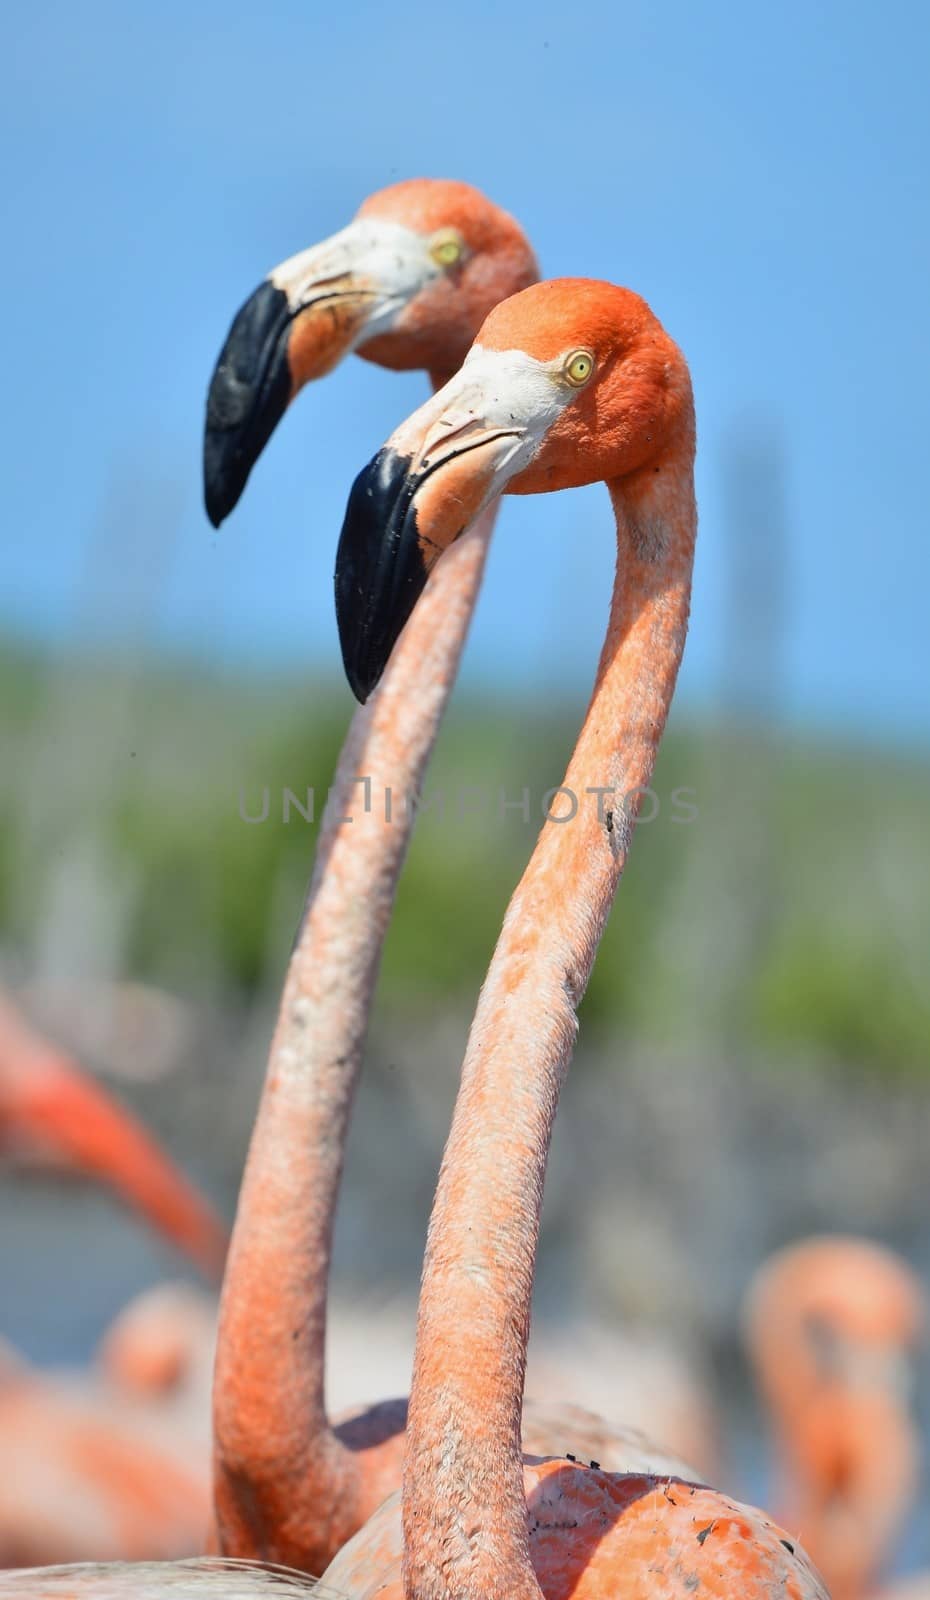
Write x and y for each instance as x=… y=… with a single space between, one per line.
x=759 y=173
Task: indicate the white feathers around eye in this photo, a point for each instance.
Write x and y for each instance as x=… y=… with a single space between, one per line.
x=504 y=394
x=511 y=389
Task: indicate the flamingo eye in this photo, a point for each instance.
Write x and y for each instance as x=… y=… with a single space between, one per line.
x=447 y=247
x=578 y=367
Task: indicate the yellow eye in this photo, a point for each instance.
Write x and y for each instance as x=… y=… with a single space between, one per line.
x=578 y=367
x=447 y=247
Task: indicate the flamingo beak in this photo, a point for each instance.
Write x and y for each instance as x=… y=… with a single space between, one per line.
x=299 y=323
x=426 y=487
x=404 y=510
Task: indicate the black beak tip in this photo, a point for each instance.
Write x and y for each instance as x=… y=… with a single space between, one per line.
x=360 y=686
x=362 y=669
x=224 y=476
x=214 y=504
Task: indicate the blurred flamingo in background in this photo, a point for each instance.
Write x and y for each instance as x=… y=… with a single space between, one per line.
x=159 y=1349
x=79 y=1479
x=85 y=1471
x=570 y=382
x=832 y=1325
x=52 y=1112
x=112 y=1462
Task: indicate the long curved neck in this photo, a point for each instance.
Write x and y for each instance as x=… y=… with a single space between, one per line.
x=465 y=1526
x=48 y=1100
x=286 y=1488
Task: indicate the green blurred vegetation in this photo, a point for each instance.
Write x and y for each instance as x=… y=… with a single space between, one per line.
x=792 y=913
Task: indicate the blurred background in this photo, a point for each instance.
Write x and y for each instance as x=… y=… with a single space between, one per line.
x=755 y=1046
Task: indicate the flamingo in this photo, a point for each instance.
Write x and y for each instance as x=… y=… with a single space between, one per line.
x=114 y=1461
x=52 y=1111
x=79 y=1476
x=831 y=1325
x=81 y=1480
x=569 y=382
x=407 y=284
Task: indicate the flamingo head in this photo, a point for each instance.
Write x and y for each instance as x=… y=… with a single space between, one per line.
x=161 y=1342
x=407 y=284
x=569 y=382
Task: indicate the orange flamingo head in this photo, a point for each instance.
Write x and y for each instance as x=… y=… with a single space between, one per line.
x=832 y=1324
x=407 y=284
x=569 y=382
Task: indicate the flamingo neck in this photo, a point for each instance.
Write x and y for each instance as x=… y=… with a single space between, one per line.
x=465 y=1523
x=68 y=1118
x=286 y=1486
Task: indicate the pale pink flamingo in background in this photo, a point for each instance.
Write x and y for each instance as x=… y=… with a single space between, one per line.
x=407 y=284
x=53 y=1112
x=82 y=1473
x=570 y=382
x=112 y=1462
x=79 y=1479
x=832 y=1324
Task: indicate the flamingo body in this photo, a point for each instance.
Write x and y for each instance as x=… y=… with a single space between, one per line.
x=79 y=1484
x=379 y=1429
x=600 y=1536
x=112 y=1463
